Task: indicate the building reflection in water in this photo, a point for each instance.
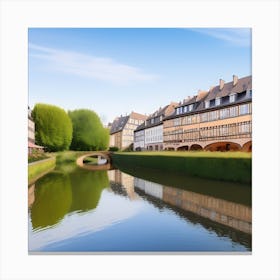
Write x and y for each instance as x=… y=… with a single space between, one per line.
x=123 y=180
x=224 y=212
x=31 y=195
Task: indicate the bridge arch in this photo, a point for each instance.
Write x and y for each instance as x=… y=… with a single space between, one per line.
x=223 y=146
x=105 y=155
x=196 y=147
x=183 y=148
x=247 y=147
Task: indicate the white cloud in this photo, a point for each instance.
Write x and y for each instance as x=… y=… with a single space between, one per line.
x=236 y=36
x=89 y=66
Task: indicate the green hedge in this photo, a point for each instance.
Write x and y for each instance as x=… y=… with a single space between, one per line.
x=39 y=168
x=218 y=168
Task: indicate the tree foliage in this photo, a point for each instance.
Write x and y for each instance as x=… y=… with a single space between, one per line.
x=53 y=127
x=88 y=131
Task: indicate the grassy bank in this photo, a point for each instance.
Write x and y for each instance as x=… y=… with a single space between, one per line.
x=39 y=168
x=232 y=166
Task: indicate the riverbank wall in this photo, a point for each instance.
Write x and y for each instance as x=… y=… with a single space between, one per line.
x=39 y=168
x=223 y=168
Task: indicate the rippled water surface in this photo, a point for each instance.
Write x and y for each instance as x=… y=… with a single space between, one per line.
x=75 y=210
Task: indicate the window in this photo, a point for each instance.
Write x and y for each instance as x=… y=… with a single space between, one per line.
x=176 y=122
x=218 y=101
x=203 y=117
x=177 y=111
x=190 y=107
x=244 y=127
x=244 y=109
x=194 y=118
x=189 y=120
x=207 y=104
x=223 y=130
x=232 y=97
x=224 y=113
x=213 y=115
x=233 y=111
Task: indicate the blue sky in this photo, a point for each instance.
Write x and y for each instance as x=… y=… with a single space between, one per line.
x=114 y=71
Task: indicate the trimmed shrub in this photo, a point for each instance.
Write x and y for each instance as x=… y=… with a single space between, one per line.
x=217 y=168
x=53 y=127
x=88 y=131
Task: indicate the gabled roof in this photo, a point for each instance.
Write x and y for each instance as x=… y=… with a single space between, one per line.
x=188 y=101
x=157 y=116
x=137 y=116
x=158 y=113
x=242 y=85
x=140 y=127
x=118 y=124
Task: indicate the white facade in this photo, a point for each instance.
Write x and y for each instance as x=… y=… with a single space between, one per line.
x=154 y=137
x=139 y=140
x=31 y=131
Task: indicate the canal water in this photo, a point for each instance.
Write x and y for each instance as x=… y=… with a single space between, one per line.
x=136 y=210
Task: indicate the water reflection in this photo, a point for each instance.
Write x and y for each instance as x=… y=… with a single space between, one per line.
x=122 y=183
x=226 y=218
x=70 y=206
x=224 y=212
x=59 y=193
x=53 y=199
x=87 y=188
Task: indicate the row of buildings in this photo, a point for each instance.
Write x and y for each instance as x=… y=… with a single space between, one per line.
x=219 y=119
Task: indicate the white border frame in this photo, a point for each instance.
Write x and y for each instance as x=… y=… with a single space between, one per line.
x=17 y=16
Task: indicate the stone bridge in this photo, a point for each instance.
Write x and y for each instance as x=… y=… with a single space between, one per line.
x=102 y=154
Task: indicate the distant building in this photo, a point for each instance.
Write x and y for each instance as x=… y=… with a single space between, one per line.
x=217 y=120
x=122 y=129
x=31 y=135
x=31 y=128
x=149 y=135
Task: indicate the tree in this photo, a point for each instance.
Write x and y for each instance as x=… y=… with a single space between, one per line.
x=53 y=127
x=88 y=131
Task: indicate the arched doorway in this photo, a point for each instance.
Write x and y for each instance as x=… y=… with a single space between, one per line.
x=195 y=147
x=223 y=146
x=247 y=147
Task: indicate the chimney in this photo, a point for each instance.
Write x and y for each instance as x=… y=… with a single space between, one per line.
x=201 y=94
x=235 y=80
x=222 y=83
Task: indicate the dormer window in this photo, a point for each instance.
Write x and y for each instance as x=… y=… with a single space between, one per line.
x=232 y=97
x=177 y=111
x=218 y=101
x=207 y=104
x=185 y=109
x=249 y=93
x=190 y=107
